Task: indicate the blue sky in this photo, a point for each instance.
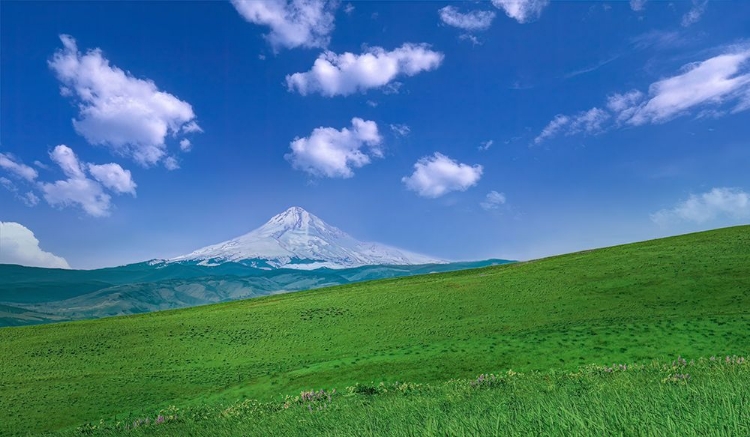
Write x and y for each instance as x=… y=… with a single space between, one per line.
x=510 y=129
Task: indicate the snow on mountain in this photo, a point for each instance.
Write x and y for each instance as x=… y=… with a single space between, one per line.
x=297 y=239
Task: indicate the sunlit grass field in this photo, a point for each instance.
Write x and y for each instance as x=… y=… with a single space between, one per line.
x=687 y=295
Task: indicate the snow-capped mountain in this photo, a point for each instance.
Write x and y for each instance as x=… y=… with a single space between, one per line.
x=297 y=239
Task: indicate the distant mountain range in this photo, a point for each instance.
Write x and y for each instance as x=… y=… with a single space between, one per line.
x=293 y=251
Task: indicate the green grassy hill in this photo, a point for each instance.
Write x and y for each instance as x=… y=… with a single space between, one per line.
x=686 y=295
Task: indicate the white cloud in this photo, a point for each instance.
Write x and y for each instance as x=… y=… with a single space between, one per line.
x=493 y=201
x=553 y=128
x=8 y=184
x=700 y=208
x=637 y=5
x=191 y=127
x=472 y=21
x=695 y=13
x=18 y=245
x=712 y=88
x=485 y=145
x=372 y=103
x=349 y=8
x=77 y=189
x=9 y=163
x=523 y=11
x=328 y=152
x=41 y=165
x=471 y=38
x=29 y=199
x=400 y=129
x=624 y=105
x=589 y=122
x=113 y=177
x=185 y=145
x=348 y=73
x=438 y=174
x=128 y=114
x=709 y=83
x=171 y=163
x=294 y=23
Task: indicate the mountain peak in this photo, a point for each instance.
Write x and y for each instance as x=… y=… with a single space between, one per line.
x=297 y=239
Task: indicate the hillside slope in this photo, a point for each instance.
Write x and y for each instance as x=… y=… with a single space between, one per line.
x=686 y=295
x=31 y=295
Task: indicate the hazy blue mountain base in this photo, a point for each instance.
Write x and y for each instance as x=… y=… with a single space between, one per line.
x=30 y=295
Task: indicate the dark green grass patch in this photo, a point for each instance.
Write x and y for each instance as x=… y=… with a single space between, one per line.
x=632 y=303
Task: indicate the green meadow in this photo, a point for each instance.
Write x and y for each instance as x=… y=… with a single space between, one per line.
x=548 y=319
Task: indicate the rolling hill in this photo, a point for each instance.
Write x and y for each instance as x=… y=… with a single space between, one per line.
x=687 y=295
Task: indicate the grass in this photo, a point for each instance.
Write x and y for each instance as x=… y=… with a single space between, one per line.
x=685 y=295
x=707 y=397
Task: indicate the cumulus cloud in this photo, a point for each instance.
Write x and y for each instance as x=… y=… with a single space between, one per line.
x=699 y=208
x=332 y=153
x=695 y=13
x=438 y=174
x=113 y=177
x=77 y=189
x=345 y=74
x=523 y=11
x=9 y=163
x=401 y=130
x=185 y=145
x=471 y=21
x=712 y=88
x=294 y=23
x=130 y=115
x=493 y=200
x=18 y=245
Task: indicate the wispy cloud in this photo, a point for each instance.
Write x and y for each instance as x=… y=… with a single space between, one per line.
x=637 y=5
x=347 y=73
x=401 y=130
x=9 y=163
x=493 y=200
x=714 y=87
x=695 y=13
x=485 y=145
x=470 y=21
x=438 y=174
x=591 y=68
